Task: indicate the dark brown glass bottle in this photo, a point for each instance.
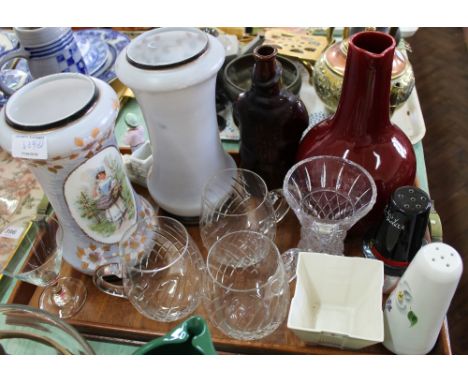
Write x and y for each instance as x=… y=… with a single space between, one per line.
x=271 y=120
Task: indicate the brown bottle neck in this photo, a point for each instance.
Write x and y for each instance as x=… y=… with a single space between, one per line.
x=364 y=106
x=267 y=72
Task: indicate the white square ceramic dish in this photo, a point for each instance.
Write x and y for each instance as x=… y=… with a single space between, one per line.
x=338 y=301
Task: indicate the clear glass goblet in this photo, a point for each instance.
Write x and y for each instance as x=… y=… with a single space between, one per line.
x=237 y=199
x=31 y=251
x=247 y=289
x=329 y=195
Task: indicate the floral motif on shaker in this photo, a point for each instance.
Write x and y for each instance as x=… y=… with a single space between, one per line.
x=388 y=304
x=403 y=300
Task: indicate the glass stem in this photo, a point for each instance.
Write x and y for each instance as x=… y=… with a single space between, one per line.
x=60 y=294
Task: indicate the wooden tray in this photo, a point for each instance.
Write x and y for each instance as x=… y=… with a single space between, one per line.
x=113 y=319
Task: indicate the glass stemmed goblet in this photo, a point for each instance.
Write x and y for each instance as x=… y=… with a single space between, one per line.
x=31 y=251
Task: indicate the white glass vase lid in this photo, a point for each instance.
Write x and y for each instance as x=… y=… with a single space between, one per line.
x=167 y=47
x=46 y=103
x=169 y=59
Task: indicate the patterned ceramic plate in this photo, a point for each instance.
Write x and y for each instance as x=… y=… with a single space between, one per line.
x=115 y=41
x=14 y=78
x=8 y=41
x=94 y=50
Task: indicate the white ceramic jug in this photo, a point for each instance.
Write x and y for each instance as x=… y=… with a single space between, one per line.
x=172 y=72
x=63 y=126
x=48 y=50
x=415 y=310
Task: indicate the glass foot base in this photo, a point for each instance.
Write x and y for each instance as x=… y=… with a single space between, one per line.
x=65 y=298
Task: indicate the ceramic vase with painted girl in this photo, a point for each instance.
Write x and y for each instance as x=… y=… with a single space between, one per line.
x=62 y=125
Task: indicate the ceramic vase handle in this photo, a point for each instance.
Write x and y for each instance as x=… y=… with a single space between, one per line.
x=103 y=277
x=279 y=203
x=8 y=57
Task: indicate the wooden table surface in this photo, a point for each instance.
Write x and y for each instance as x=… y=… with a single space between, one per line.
x=113 y=319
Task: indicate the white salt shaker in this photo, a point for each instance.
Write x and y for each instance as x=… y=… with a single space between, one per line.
x=415 y=310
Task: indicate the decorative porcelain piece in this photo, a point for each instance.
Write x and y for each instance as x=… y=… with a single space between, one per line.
x=172 y=72
x=329 y=72
x=48 y=50
x=99 y=48
x=416 y=309
x=139 y=163
x=361 y=130
x=79 y=165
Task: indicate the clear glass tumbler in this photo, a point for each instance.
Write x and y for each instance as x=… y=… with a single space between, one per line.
x=161 y=267
x=329 y=195
x=236 y=200
x=247 y=290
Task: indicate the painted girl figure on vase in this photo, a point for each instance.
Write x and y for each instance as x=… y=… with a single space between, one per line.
x=107 y=194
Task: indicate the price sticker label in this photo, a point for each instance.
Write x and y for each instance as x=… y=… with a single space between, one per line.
x=12 y=232
x=29 y=146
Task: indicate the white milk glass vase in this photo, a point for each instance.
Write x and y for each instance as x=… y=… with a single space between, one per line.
x=172 y=72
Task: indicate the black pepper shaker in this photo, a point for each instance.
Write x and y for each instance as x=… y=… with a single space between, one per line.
x=399 y=236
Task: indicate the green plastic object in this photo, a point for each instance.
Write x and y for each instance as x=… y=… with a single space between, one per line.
x=191 y=337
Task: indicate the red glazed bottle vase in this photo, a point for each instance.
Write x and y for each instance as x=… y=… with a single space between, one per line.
x=361 y=130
